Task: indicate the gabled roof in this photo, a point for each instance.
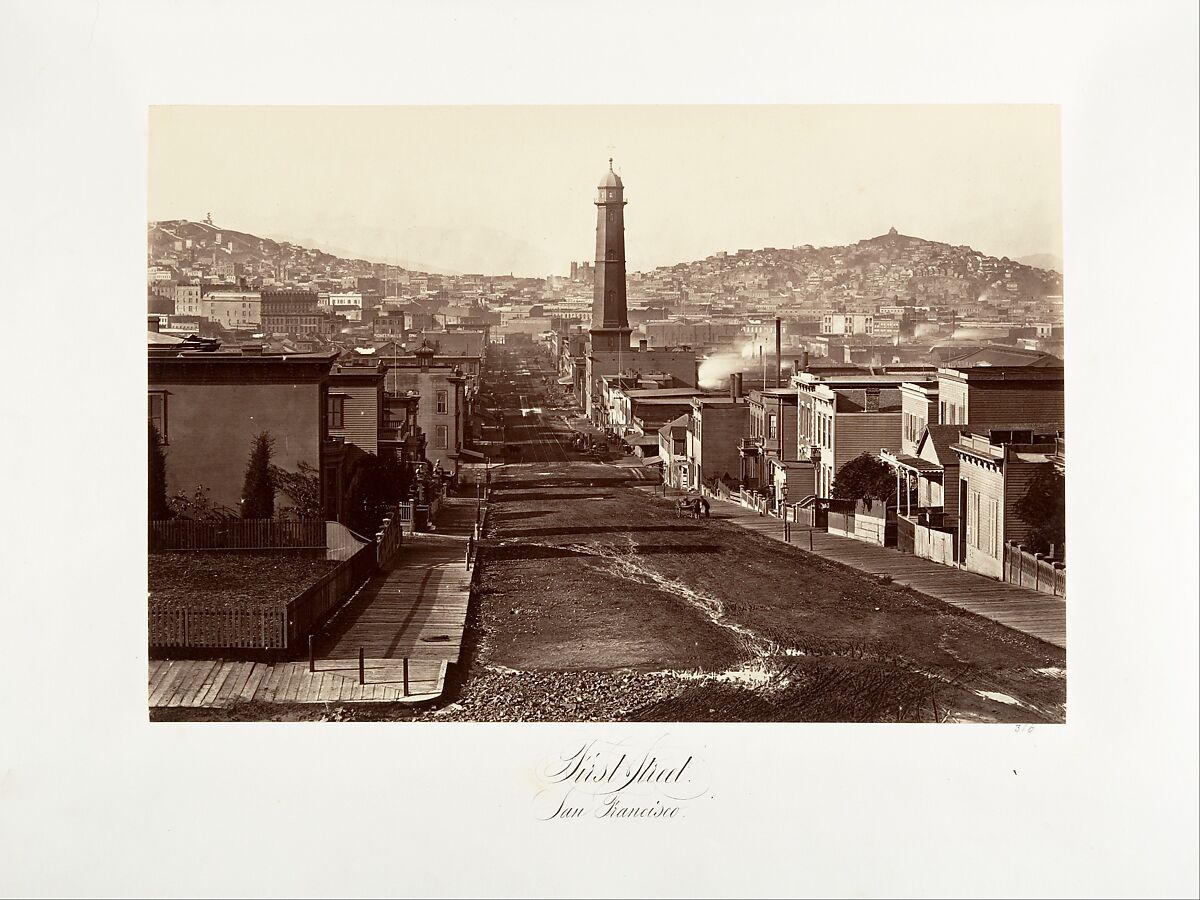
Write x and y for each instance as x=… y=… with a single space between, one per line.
x=677 y=424
x=941 y=437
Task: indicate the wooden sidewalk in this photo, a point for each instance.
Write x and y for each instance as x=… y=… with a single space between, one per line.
x=220 y=683
x=415 y=608
x=1033 y=613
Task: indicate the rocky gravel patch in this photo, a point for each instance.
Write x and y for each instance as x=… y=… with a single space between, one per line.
x=509 y=696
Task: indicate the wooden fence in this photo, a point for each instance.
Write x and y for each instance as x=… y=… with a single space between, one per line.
x=237 y=534
x=874 y=523
x=190 y=624
x=309 y=610
x=906 y=535
x=935 y=544
x=389 y=539
x=841 y=517
x=404 y=513
x=1034 y=570
x=198 y=624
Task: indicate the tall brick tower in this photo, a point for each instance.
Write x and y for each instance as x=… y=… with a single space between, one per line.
x=610 y=318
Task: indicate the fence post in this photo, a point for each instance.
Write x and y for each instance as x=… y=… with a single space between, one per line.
x=406 y=676
x=362 y=668
x=810 y=539
x=312 y=659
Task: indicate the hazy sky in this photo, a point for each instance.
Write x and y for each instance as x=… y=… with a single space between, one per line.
x=509 y=189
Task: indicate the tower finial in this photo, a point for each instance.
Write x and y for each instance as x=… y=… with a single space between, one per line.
x=610 y=168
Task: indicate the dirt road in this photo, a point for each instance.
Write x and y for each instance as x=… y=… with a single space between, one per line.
x=582 y=574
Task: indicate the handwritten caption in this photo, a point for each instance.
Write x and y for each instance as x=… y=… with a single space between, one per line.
x=619 y=780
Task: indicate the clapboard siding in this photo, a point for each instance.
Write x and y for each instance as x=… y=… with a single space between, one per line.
x=984 y=487
x=921 y=403
x=858 y=433
x=363 y=414
x=997 y=406
x=1018 y=474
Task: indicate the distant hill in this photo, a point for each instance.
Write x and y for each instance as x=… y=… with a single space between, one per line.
x=1042 y=261
x=888 y=265
x=205 y=249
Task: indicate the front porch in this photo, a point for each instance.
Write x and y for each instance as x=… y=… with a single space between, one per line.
x=923 y=526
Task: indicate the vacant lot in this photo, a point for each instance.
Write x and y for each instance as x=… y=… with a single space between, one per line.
x=233 y=578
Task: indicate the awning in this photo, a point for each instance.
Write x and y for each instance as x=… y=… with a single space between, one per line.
x=912 y=463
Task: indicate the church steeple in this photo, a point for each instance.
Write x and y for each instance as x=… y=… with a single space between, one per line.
x=610 y=318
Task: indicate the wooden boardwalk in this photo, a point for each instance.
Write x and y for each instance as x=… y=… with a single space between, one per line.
x=415 y=608
x=1036 y=614
x=221 y=683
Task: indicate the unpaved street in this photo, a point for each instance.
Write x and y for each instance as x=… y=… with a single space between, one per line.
x=584 y=574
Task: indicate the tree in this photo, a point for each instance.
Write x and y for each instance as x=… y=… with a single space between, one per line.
x=258 y=490
x=865 y=478
x=303 y=488
x=159 y=508
x=1044 y=510
x=376 y=486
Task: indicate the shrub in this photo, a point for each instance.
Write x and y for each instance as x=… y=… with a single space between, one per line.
x=303 y=488
x=1043 y=509
x=865 y=478
x=159 y=508
x=258 y=490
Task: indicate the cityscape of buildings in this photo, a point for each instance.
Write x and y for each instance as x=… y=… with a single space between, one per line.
x=897 y=392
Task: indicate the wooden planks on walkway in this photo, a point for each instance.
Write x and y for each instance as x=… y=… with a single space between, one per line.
x=416 y=607
x=1036 y=614
x=224 y=683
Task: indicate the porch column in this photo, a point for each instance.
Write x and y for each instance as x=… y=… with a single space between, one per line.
x=907 y=492
x=897 y=488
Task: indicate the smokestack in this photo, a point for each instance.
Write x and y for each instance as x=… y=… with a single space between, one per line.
x=778 y=351
x=735 y=386
x=805 y=360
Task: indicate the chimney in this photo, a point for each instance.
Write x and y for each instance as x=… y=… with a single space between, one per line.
x=642 y=345
x=778 y=351
x=805 y=360
x=735 y=385
x=152 y=324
